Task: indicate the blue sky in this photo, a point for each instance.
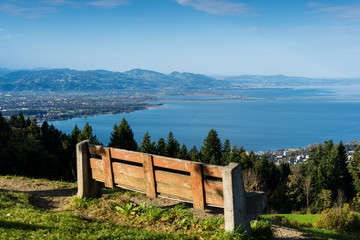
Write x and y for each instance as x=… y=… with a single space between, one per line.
x=225 y=37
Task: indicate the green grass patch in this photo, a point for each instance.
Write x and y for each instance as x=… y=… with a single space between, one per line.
x=20 y=220
x=293 y=219
x=304 y=223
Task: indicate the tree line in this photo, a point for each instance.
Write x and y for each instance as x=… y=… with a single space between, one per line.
x=327 y=179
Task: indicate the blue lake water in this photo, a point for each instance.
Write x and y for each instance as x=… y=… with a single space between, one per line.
x=287 y=118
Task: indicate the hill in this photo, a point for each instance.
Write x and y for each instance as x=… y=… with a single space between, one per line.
x=139 y=80
x=61 y=80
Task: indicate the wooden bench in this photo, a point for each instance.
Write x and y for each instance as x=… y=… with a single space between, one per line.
x=157 y=176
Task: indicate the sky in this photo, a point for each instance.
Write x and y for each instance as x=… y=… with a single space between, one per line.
x=222 y=37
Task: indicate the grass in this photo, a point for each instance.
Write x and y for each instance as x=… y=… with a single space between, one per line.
x=108 y=217
x=304 y=222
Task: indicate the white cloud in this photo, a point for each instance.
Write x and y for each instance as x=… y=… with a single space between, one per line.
x=29 y=12
x=348 y=12
x=108 y=3
x=217 y=7
x=56 y=2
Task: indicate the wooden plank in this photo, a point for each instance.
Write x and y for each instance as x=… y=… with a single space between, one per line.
x=107 y=166
x=197 y=186
x=129 y=182
x=213 y=186
x=214 y=199
x=126 y=155
x=148 y=168
x=212 y=170
x=98 y=175
x=172 y=178
x=174 y=191
x=96 y=149
x=96 y=163
x=171 y=163
x=129 y=170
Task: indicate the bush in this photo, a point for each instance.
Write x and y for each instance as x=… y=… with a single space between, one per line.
x=261 y=230
x=339 y=220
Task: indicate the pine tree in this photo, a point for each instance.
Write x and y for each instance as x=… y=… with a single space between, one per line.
x=354 y=168
x=211 y=151
x=123 y=137
x=194 y=154
x=183 y=153
x=161 y=147
x=87 y=134
x=172 y=146
x=147 y=146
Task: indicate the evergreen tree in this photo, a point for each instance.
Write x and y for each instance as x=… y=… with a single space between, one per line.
x=193 y=154
x=172 y=146
x=147 y=146
x=87 y=134
x=20 y=121
x=211 y=151
x=354 y=168
x=183 y=153
x=161 y=147
x=123 y=137
x=226 y=152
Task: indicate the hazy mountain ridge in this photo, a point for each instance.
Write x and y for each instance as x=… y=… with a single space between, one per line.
x=59 y=80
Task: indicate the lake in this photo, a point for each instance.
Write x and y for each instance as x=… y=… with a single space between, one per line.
x=269 y=119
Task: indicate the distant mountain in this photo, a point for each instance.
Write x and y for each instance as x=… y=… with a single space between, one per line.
x=59 y=80
x=4 y=71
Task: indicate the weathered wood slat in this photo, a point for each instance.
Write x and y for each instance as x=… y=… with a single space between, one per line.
x=129 y=170
x=212 y=171
x=126 y=155
x=96 y=163
x=96 y=149
x=148 y=168
x=98 y=175
x=107 y=166
x=129 y=182
x=173 y=178
x=174 y=190
x=197 y=185
x=214 y=199
x=171 y=163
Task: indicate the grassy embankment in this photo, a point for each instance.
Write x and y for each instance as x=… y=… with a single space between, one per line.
x=113 y=216
x=304 y=223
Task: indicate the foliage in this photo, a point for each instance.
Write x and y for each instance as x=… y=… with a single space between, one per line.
x=354 y=168
x=211 y=151
x=172 y=146
x=261 y=230
x=339 y=220
x=87 y=134
x=123 y=137
x=147 y=146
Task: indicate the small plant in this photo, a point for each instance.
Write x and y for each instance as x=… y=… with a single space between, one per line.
x=130 y=209
x=339 y=220
x=84 y=202
x=261 y=230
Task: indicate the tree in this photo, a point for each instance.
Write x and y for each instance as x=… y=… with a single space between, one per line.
x=183 y=153
x=172 y=146
x=211 y=152
x=161 y=147
x=87 y=134
x=147 y=146
x=193 y=154
x=354 y=168
x=123 y=137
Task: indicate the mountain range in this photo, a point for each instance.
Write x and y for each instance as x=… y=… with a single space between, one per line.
x=62 y=80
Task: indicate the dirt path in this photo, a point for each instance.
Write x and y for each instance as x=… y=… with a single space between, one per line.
x=56 y=196
x=45 y=194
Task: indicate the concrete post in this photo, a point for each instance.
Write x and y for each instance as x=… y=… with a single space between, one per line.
x=234 y=199
x=87 y=187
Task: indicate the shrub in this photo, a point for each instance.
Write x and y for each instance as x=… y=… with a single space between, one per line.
x=339 y=220
x=261 y=230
